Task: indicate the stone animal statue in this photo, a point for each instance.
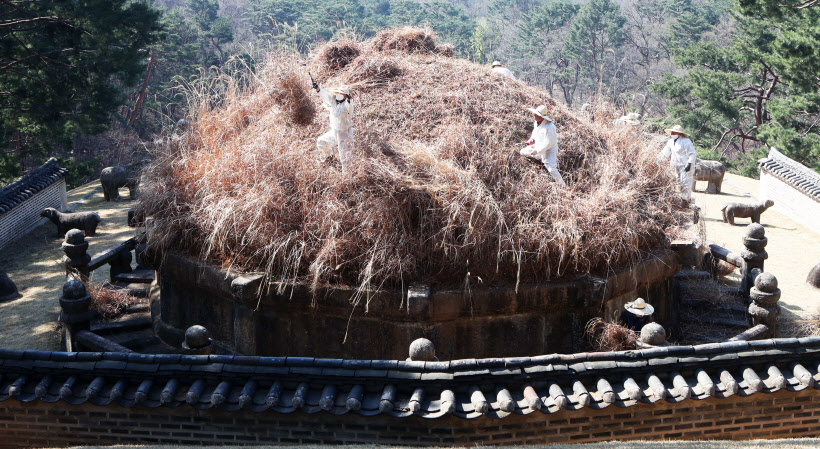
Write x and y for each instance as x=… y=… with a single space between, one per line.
x=712 y=172
x=112 y=178
x=8 y=290
x=814 y=276
x=744 y=210
x=84 y=221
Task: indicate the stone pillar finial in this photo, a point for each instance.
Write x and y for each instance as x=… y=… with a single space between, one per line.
x=652 y=334
x=754 y=254
x=76 y=313
x=422 y=350
x=197 y=341
x=76 y=257
x=764 y=308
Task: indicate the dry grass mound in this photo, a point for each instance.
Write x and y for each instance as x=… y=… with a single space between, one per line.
x=337 y=55
x=408 y=40
x=608 y=336
x=438 y=193
x=108 y=303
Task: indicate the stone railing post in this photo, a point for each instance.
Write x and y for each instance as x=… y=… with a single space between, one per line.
x=76 y=257
x=197 y=341
x=652 y=336
x=764 y=308
x=753 y=255
x=75 y=313
x=422 y=350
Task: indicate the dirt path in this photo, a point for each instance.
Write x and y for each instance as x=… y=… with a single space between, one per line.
x=793 y=249
x=33 y=264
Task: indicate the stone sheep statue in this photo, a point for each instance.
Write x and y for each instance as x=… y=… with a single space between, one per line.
x=712 y=172
x=8 y=290
x=84 y=221
x=814 y=276
x=112 y=178
x=743 y=210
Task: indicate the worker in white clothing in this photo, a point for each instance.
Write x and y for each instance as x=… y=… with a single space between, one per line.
x=681 y=154
x=501 y=70
x=543 y=144
x=337 y=102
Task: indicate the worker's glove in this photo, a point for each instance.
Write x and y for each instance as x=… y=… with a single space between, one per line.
x=688 y=167
x=316 y=86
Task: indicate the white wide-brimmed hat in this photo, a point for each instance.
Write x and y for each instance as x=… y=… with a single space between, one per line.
x=496 y=63
x=541 y=111
x=677 y=129
x=639 y=307
x=343 y=89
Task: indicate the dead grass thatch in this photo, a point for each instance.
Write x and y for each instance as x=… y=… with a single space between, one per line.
x=438 y=190
x=610 y=336
x=108 y=303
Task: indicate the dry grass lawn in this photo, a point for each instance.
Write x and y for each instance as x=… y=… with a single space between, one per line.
x=793 y=249
x=30 y=322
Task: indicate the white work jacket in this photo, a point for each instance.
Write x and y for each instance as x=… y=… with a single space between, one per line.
x=341 y=114
x=680 y=152
x=545 y=139
x=501 y=70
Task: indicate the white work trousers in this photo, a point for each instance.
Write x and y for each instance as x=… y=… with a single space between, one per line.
x=550 y=160
x=341 y=139
x=687 y=181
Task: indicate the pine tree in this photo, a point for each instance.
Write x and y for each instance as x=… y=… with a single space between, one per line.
x=62 y=69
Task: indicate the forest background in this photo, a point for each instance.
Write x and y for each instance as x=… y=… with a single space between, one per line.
x=94 y=82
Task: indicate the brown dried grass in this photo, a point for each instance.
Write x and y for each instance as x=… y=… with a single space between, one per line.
x=109 y=304
x=336 y=55
x=610 y=336
x=409 y=40
x=437 y=192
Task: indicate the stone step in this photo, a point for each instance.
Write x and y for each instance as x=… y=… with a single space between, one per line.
x=122 y=326
x=726 y=321
x=138 y=276
x=136 y=290
x=690 y=274
x=705 y=304
x=135 y=340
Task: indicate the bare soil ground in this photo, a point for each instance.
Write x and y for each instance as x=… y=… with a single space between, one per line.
x=793 y=249
x=33 y=263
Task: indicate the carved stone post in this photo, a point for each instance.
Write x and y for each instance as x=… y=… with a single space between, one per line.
x=764 y=308
x=652 y=335
x=76 y=314
x=76 y=257
x=422 y=350
x=753 y=255
x=196 y=341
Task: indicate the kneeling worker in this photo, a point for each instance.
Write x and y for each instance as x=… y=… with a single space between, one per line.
x=498 y=68
x=340 y=136
x=543 y=144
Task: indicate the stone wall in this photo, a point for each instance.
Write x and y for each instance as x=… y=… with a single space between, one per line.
x=252 y=317
x=790 y=201
x=25 y=216
x=784 y=414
